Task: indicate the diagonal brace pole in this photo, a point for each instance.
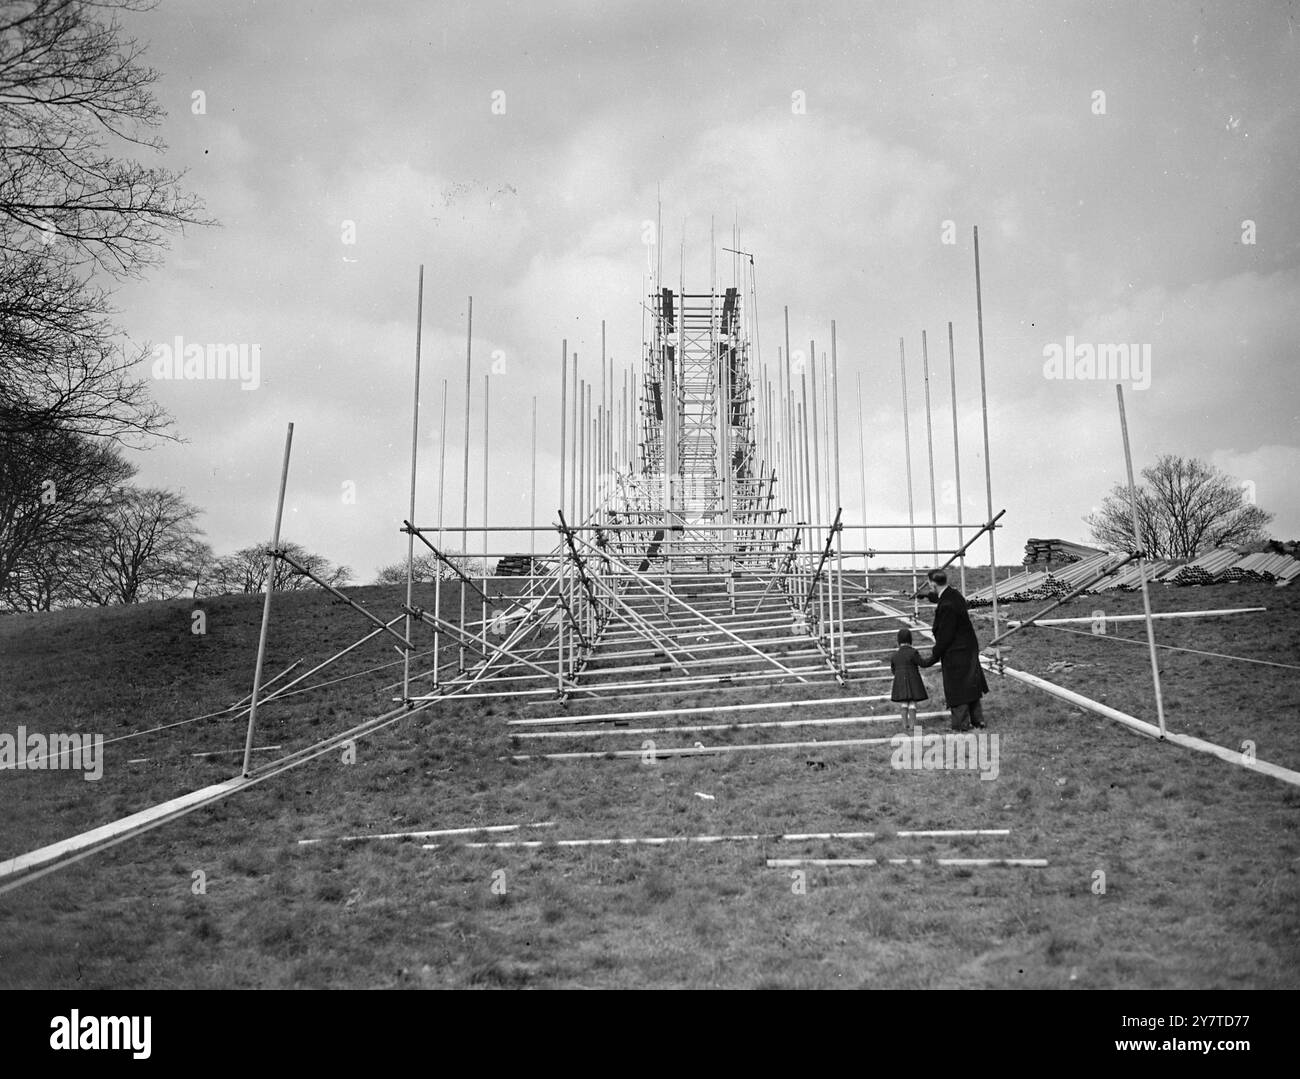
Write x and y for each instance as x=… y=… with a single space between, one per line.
x=379 y=623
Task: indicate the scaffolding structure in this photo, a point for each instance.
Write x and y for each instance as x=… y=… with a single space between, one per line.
x=698 y=547
x=699 y=537
x=698 y=540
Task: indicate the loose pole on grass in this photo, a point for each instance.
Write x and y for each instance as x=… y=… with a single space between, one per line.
x=1138 y=545
x=266 y=603
x=415 y=449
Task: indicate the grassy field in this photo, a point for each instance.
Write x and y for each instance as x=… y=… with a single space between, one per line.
x=1201 y=859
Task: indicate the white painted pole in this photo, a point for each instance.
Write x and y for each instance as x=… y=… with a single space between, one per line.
x=1141 y=617
x=753 y=837
x=959 y=863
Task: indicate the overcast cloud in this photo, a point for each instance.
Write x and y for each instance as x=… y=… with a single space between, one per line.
x=1119 y=227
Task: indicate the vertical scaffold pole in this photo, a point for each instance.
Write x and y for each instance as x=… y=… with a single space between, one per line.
x=464 y=522
x=437 y=569
x=839 y=536
x=815 y=432
x=415 y=450
x=929 y=445
x=580 y=504
x=564 y=423
x=807 y=484
x=567 y=576
x=792 y=451
x=862 y=467
x=591 y=454
x=828 y=587
x=532 y=512
x=266 y=603
x=1138 y=541
x=483 y=624
x=907 y=447
x=956 y=456
x=984 y=409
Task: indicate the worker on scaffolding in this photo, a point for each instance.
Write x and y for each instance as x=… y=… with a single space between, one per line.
x=957 y=650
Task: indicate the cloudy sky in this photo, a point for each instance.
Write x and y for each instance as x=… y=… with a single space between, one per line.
x=1111 y=155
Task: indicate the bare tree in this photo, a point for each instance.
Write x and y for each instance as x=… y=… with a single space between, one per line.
x=76 y=106
x=54 y=491
x=428 y=568
x=63 y=363
x=245 y=571
x=1185 y=508
x=46 y=576
x=74 y=90
x=150 y=549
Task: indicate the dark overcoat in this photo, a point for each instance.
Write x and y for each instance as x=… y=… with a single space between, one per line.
x=958 y=650
x=908 y=686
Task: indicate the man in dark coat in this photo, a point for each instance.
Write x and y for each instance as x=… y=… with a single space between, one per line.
x=957 y=649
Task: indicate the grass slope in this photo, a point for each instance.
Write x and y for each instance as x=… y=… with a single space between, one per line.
x=1200 y=858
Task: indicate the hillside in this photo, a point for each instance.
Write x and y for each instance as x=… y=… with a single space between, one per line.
x=1200 y=858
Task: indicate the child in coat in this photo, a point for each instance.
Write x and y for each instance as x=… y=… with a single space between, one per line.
x=908 y=686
